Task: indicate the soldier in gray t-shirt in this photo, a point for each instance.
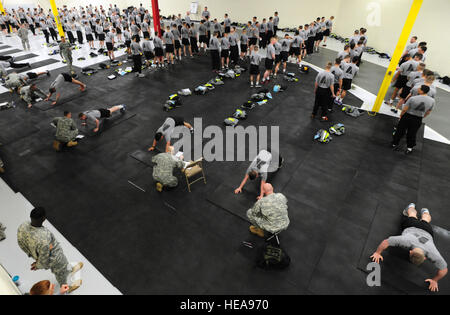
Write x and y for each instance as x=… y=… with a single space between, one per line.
x=267 y=161
x=94 y=116
x=415 y=109
x=417 y=237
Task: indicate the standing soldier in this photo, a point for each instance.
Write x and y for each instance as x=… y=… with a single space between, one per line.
x=39 y=243
x=65 y=50
x=23 y=35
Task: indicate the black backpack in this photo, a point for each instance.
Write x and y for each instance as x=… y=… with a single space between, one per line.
x=273 y=257
x=445 y=80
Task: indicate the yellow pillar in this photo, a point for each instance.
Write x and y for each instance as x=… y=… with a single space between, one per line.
x=57 y=18
x=2 y=10
x=410 y=20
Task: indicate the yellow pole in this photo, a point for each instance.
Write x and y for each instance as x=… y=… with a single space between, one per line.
x=57 y=18
x=410 y=20
x=2 y=10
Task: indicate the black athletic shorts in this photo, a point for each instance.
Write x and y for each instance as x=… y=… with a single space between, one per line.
x=320 y=36
x=277 y=59
x=110 y=46
x=227 y=29
x=347 y=84
x=67 y=77
x=405 y=92
x=296 y=51
x=128 y=43
x=413 y=222
x=159 y=52
x=336 y=88
x=138 y=38
x=148 y=55
x=89 y=37
x=225 y=53
x=269 y=64
x=177 y=44
x=401 y=81
x=185 y=42
x=179 y=121
x=104 y=113
x=3 y=26
x=284 y=56
x=203 y=39
x=326 y=32
x=253 y=41
x=118 y=30
x=101 y=37
x=31 y=75
x=169 y=48
x=146 y=34
x=244 y=48
x=254 y=69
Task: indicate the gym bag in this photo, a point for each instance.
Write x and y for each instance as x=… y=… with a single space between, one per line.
x=338 y=129
x=323 y=136
x=272 y=258
x=240 y=114
x=230 y=121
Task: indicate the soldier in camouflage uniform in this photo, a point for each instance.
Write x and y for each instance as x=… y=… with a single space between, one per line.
x=65 y=50
x=30 y=93
x=66 y=129
x=269 y=213
x=163 y=170
x=14 y=81
x=39 y=243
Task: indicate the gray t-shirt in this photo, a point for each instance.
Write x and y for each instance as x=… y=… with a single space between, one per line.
x=270 y=51
x=418 y=238
x=136 y=49
x=214 y=43
x=168 y=38
x=285 y=44
x=202 y=30
x=419 y=105
x=338 y=74
x=325 y=79
x=431 y=93
x=58 y=82
x=92 y=116
x=408 y=67
x=350 y=70
x=225 y=43
x=413 y=76
x=255 y=58
x=263 y=164
x=167 y=128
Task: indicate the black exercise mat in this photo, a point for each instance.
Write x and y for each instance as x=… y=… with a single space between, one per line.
x=396 y=270
x=24 y=57
x=144 y=156
x=225 y=198
x=9 y=52
x=4 y=47
x=15 y=132
x=46 y=105
x=34 y=66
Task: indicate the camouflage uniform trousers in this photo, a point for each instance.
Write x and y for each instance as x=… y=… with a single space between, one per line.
x=59 y=265
x=69 y=60
x=167 y=181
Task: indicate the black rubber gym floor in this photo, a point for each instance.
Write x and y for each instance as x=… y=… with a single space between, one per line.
x=344 y=197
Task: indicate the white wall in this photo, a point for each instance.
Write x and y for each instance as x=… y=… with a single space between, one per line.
x=431 y=26
x=291 y=12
